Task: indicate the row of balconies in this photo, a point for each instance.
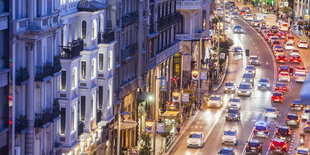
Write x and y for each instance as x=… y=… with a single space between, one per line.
x=169 y=20
x=194 y=36
x=47 y=116
x=73 y=49
x=129 y=51
x=130 y=18
x=191 y=4
x=106 y=37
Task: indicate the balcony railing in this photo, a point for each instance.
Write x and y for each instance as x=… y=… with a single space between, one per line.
x=167 y=21
x=80 y=128
x=21 y=125
x=43 y=119
x=21 y=76
x=56 y=111
x=130 y=18
x=43 y=71
x=191 y=4
x=20 y=25
x=194 y=36
x=106 y=37
x=56 y=64
x=129 y=51
x=73 y=50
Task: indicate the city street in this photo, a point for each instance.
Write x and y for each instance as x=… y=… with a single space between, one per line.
x=212 y=121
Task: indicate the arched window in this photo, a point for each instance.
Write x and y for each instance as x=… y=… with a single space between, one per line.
x=93 y=69
x=74 y=78
x=84 y=28
x=94 y=29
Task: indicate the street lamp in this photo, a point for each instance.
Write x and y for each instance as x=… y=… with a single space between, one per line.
x=119 y=130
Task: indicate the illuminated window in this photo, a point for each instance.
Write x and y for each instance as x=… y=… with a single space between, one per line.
x=110 y=60
x=94 y=29
x=93 y=68
x=74 y=78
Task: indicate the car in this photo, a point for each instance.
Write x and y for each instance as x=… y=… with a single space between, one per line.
x=277 y=47
x=248 y=77
x=295 y=51
x=284 y=76
x=280 y=87
x=300 y=69
x=296 y=105
x=290 y=42
x=263 y=83
x=261 y=129
x=295 y=58
x=245 y=89
x=250 y=69
x=283 y=132
x=233 y=114
x=306 y=114
x=268 y=35
x=230 y=137
x=215 y=101
x=275 y=42
x=281 y=58
x=248 y=17
x=281 y=35
x=238 y=29
x=253 y=146
x=265 y=32
x=253 y=60
x=302 y=44
x=307 y=126
x=229 y=87
x=262 y=29
x=289 y=46
x=284 y=27
x=300 y=77
x=242 y=13
x=195 y=139
x=234 y=103
x=227 y=18
x=302 y=151
x=274 y=29
x=292 y=119
x=278 y=146
x=238 y=50
x=234 y=15
x=279 y=52
x=247 y=9
x=255 y=23
x=277 y=97
x=284 y=68
x=289 y=37
x=271 y=112
x=272 y=39
x=226 y=151
x=219 y=12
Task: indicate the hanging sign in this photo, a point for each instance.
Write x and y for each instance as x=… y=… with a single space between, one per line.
x=194 y=75
x=160 y=128
x=175 y=97
x=203 y=75
x=163 y=83
x=185 y=97
x=149 y=127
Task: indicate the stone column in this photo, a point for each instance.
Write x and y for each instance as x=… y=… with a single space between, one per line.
x=140 y=42
x=30 y=139
x=30 y=9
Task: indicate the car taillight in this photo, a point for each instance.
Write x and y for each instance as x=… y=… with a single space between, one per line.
x=266 y=130
x=277 y=87
x=284 y=146
x=272 y=145
x=255 y=130
x=291 y=105
x=287 y=119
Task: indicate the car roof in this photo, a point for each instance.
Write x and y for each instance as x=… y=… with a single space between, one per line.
x=244 y=83
x=278 y=140
x=260 y=123
x=263 y=79
x=291 y=114
x=196 y=133
x=254 y=141
x=280 y=84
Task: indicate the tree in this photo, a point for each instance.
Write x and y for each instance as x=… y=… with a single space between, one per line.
x=146 y=148
x=287 y=10
x=301 y=23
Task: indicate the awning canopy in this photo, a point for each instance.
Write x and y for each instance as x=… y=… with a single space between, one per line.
x=305 y=92
x=170 y=114
x=127 y=124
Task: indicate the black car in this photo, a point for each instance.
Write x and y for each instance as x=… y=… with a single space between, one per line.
x=284 y=132
x=274 y=29
x=226 y=151
x=233 y=114
x=278 y=146
x=254 y=147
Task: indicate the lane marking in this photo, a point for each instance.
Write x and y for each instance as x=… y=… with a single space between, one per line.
x=250 y=137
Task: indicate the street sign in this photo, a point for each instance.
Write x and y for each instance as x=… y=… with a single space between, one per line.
x=185 y=97
x=194 y=75
x=175 y=97
x=163 y=83
x=149 y=127
x=203 y=75
x=160 y=128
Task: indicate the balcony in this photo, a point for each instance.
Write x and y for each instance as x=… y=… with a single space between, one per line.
x=191 y=4
x=129 y=51
x=21 y=125
x=130 y=18
x=43 y=119
x=46 y=22
x=56 y=111
x=42 y=72
x=80 y=128
x=72 y=50
x=167 y=21
x=21 y=76
x=105 y=38
x=188 y=37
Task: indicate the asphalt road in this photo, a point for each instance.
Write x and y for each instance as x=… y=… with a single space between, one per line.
x=212 y=121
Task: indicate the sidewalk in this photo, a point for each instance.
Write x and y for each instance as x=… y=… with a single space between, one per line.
x=305 y=54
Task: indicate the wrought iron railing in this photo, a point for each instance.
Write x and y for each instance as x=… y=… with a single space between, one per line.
x=73 y=49
x=21 y=124
x=21 y=76
x=106 y=37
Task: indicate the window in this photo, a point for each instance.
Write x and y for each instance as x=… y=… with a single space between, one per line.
x=94 y=29
x=4 y=48
x=93 y=68
x=83 y=104
x=74 y=78
x=63 y=81
x=109 y=96
x=92 y=113
x=84 y=28
x=83 y=70
x=3 y=106
x=110 y=60
x=101 y=62
x=73 y=122
x=100 y=97
x=63 y=121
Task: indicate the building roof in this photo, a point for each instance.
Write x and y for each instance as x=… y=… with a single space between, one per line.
x=90 y=5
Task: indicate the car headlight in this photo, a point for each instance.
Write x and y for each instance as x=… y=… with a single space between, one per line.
x=239 y=91
x=236 y=115
x=268 y=85
x=188 y=141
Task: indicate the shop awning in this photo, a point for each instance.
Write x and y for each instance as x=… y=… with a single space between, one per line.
x=170 y=114
x=127 y=124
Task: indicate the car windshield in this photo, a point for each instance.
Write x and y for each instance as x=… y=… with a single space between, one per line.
x=300 y=75
x=295 y=55
x=249 y=15
x=253 y=58
x=230 y=133
x=292 y=117
x=214 y=98
x=226 y=152
x=277 y=94
x=263 y=80
x=234 y=13
x=280 y=84
x=277 y=46
x=256 y=21
x=271 y=110
x=248 y=75
x=300 y=68
x=194 y=136
x=260 y=128
x=250 y=67
x=234 y=100
x=276 y=42
x=302 y=151
x=237 y=27
x=244 y=86
x=303 y=42
x=229 y=84
x=233 y=111
x=289 y=44
x=253 y=144
x=284 y=67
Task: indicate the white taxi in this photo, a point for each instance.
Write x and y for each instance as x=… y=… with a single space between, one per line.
x=215 y=101
x=302 y=44
x=230 y=137
x=195 y=139
x=271 y=112
x=284 y=76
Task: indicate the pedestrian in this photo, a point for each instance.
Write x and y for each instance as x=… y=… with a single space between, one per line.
x=178 y=128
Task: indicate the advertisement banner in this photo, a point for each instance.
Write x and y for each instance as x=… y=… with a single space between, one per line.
x=163 y=84
x=203 y=75
x=160 y=128
x=149 y=127
x=185 y=97
x=194 y=75
x=286 y=4
x=175 y=97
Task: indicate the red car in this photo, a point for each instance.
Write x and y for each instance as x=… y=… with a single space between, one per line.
x=281 y=35
x=281 y=59
x=280 y=87
x=242 y=12
x=295 y=58
x=277 y=97
x=268 y=35
x=276 y=42
x=278 y=146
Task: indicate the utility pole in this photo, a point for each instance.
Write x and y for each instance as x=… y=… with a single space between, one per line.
x=199 y=68
x=181 y=87
x=154 y=142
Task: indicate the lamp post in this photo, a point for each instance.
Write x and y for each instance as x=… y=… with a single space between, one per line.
x=119 y=130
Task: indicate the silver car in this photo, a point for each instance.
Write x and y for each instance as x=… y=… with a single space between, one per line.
x=292 y=119
x=263 y=83
x=253 y=60
x=229 y=87
x=250 y=69
x=215 y=101
x=245 y=89
x=248 y=77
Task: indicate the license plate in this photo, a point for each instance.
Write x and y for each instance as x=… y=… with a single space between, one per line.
x=253 y=148
x=277 y=100
x=280 y=87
